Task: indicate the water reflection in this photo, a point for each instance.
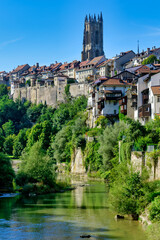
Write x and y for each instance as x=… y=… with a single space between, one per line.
x=65 y=216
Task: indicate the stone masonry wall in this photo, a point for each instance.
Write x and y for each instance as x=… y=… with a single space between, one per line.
x=50 y=95
x=37 y=95
x=139 y=161
x=78 y=89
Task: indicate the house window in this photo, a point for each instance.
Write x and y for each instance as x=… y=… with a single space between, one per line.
x=115 y=111
x=115 y=103
x=158 y=98
x=123 y=100
x=125 y=107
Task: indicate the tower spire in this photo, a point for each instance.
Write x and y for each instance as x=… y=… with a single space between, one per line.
x=138 y=47
x=101 y=17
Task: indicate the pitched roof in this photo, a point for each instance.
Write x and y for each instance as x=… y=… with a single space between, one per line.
x=116 y=81
x=154 y=50
x=84 y=63
x=103 y=63
x=19 y=68
x=63 y=66
x=133 y=69
x=95 y=60
x=156 y=90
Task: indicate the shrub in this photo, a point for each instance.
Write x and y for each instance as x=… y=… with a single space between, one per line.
x=6 y=172
x=154 y=209
x=37 y=166
x=127 y=194
x=8 y=144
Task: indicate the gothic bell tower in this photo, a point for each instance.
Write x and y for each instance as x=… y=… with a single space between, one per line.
x=93 y=38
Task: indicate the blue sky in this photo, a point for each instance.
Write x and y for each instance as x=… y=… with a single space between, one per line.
x=46 y=31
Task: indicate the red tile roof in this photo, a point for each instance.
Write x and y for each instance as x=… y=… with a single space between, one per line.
x=116 y=81
x=63 y=66
x=84 y=63
x=103 y=63
x=156 y=90
x=95 y=60
x=19 y=68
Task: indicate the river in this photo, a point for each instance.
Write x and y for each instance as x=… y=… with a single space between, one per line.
x=65 y=216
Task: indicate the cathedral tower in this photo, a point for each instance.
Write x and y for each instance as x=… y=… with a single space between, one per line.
x=93 y=37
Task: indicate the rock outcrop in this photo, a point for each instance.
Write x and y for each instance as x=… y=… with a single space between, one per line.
x=77 y=162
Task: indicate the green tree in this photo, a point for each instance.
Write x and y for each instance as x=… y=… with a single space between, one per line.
x=37 y=166
x=20 y=142
x=93 y=160
x=133 y=130
x=1 y=139
x=154 y=209
x=8 y=128
x=45 y=136
x=108 y=143
x=3 y=90
x=34 y=134
x=8 y=144
x=34 y=112
x=6 y=172
x=62 y=145
x=127 y=195
x=150 y=59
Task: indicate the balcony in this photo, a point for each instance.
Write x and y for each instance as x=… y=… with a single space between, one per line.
x=144 y=111
x=112 y=94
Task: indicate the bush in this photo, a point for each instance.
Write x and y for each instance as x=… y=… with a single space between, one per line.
x=37 y=166
x=8 y=144
x=154 y=209
x=8 y=128
x=6 y=172
x=127 y=194
x=21 y=179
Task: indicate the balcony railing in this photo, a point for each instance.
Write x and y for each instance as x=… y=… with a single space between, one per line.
x=144 y=110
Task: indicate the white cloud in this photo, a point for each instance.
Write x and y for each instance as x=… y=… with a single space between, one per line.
x=6 y=43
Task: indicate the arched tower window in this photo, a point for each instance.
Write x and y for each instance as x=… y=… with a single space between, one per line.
x=96 y=37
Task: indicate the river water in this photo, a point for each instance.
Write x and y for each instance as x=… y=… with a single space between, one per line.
x=65 y=216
